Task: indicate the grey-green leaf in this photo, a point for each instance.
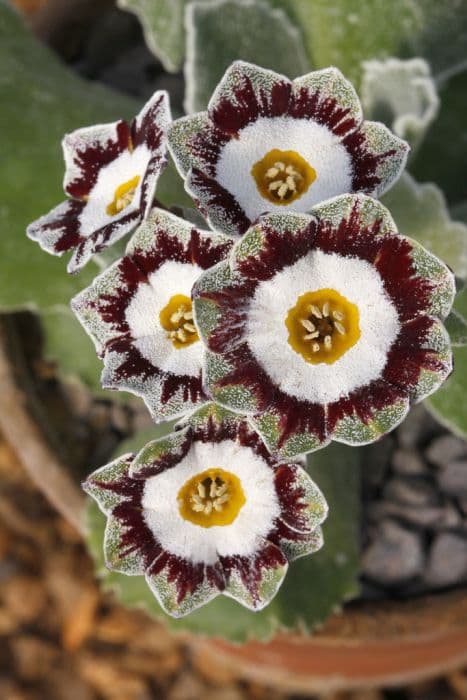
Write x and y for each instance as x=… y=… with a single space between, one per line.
x=162 y=22
x=314 y=586
x=402 y=94
x=222 y=31
x=420 y=212
x=40 y=101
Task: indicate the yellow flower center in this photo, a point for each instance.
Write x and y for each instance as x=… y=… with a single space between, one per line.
x=213 y=497
x=322 y=326
x=177 y=319
x=123 y=196
x=283 y=176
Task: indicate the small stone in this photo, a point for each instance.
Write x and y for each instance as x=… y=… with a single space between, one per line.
x=452 y=479
x=408 y=463
x=446 y=449
x=394 y=557
x=429 y=517
x=411 y=491
x=447 y=562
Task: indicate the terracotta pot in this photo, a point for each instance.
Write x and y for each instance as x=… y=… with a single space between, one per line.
x=368 y=645
x=384 y=643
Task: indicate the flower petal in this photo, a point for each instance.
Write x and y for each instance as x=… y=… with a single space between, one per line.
x=296 y=544
x=247 y=92
x=108 y=485
x=102 y=238
x=218 y=205
x=166 y=394
x=367 y=413
x=181 y=587
x=290 y=427
x=56 y=232
x=121 y=551
x=421 y=358
x=328 y=98
x=378 y=157
x=236 y=381
x=360 y=212
x=254 y=581
x=161 y=454
x=441 y=279
x=303 y=506
x=180 y=135
x=89 y=149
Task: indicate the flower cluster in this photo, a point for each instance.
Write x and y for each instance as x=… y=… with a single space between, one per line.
x=298 y=315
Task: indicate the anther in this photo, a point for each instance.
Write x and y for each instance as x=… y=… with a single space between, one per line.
x=189 y=327
x=310 y=336
x=315 y=347
x=308 y=324
x=338 y=315
x=202 y=490
x=326 y=309
x=339 y=327
x=315 y=311
x=327 y=342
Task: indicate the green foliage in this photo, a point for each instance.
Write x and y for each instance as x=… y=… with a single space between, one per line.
x=220 y=32
x=448 y=404
x=70 y=347
x=162 y=22
x=314 y=585
x=402 y=94
x=41 y=101
x=420 y=212
x=443 y=156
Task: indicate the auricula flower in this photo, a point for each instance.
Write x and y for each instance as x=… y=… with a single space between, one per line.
x=110 y=177
x=266 y=143
x=139 y=313
x=205 y=511
x=325 y=326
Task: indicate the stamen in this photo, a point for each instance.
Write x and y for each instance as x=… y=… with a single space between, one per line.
x=201 y=490
x=339 y=327
x=326 y=309
x=308 y=324
x=282 y=191
x=310 y=336
x=315 y=311
x=272 y=172
x=327 y=342
x=275 y=185
x=189 y=327
x=315 y=347
x=279 y=165
x=338 y=315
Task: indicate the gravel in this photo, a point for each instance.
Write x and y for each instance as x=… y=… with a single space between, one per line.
x=452 y=479
x=414 y=510
x=395 y=556
x=447 y=563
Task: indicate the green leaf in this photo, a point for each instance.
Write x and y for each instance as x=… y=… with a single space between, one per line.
x=344 y=33
x=448 y=405
x=222 y=31
x=162 y=22
x=456 y=322
x=402 y=94
x=40 y=101
x=314 y=585
x=420 y=212
x=70 y=347
x=443 y=156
